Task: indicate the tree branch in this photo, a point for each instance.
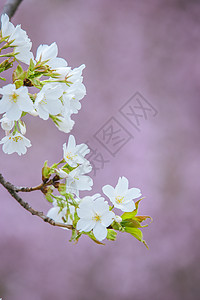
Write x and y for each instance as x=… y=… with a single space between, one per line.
x=10 y=7
x=12 y=191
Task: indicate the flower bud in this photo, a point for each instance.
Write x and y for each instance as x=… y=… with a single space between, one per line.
x=6 y=124
x=22 y=127
x=62 y=174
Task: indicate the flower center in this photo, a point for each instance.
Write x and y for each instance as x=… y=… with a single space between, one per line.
x=70 y=156
x=96 y=217
x=17 y=138
x=14 y=97
x=44 y=100
x=119 y=199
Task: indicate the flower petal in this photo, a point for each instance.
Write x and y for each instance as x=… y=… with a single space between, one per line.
x=100 y=231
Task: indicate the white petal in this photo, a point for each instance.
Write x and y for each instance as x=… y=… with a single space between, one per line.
x=127 y=207
x=132 y=194
x=109 y=191
x=14 y=112
x=85 y=225
x=122 y=186
x=100 y=231
x=108 y=218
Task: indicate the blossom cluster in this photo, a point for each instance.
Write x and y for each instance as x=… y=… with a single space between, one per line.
x=90 y=215
x=60 y=88
x=59 y=91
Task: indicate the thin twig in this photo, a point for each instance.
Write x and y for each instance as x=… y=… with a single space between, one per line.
x=41 y=187
x=12 y=190
x=10 y=7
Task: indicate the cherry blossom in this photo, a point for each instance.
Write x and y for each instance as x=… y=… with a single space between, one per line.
x=94 y=215
x=15 y=101
x=121 y=196
x=74 y=154
x=48 y=102
x=15 y=143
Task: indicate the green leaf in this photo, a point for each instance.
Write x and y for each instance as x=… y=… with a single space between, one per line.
x=131 y=223
x=111 y=235
x=31 y=65
x=137 y=233
x=45 y=172
x=19 y=74
x=135 y=222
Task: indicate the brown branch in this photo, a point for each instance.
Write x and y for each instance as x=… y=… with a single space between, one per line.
x=41 y=187
x=12 y=191
x=10 y=7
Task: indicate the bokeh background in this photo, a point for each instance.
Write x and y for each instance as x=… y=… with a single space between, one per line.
x=147 y=46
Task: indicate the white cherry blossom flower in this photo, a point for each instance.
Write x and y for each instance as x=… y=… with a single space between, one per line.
x=64 y=123
x=74 y=154
x=121 y=196
x=71 y=103
x=15 y=143
x=49 y=54
x=48 y=102
x=70 y=75
x=60 y=215
x=15 y=101
x=94 y=215
x=18 y=39
x=77 y=181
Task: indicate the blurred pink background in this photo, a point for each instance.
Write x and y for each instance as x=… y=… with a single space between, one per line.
x=151 y=47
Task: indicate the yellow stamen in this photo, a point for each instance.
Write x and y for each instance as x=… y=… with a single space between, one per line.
x=97 y=218
x=17 y=138
x=119 y=199
x=14 y=97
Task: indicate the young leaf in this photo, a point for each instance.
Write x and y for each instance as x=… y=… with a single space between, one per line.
x=137 y=233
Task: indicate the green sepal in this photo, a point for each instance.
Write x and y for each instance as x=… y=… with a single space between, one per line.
x=111 y=235
x=36 y=82
x=75 y=236
x=137 y=233
x=5 y=65
x=117 y=226
x=48 y=195
x=23 y=114
x=62 y=189
x=2 y=78
x=68 y=167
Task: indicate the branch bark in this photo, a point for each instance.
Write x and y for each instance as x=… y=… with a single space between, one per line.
x=12 y=191
x=10 y=7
